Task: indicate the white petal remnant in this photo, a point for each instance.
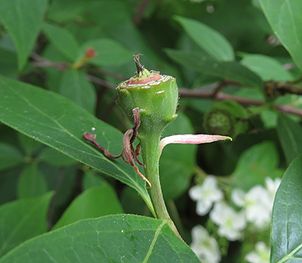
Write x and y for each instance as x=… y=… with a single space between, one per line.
x=205 y=195
x=261 y=254
x=205 y=246
x=231 y=223
x=192 y=139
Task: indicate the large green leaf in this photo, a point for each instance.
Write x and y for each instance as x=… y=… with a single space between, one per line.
x=63 y=40
x=266 y=67
x=29 y=146
x=208 y=39
x=31 y=182
x=226 y=70
x=60 y=125
x=289 y=133
x=94 y=202
x=55 y=158
x=23 y=21
x=21 y=220
x=286 y=223
x=119 y=238
x=255 y=164
x=108 y=52
x=9 y=156
x=177 y=162
x=75 y=86
x=285 y=19
x=8 y=63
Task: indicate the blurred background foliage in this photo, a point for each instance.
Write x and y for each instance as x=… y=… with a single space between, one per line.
x=234 y=78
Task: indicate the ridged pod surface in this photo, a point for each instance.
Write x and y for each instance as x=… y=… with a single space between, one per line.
x=155 y=95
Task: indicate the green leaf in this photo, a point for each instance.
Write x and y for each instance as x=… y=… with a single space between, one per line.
x=119 y=238
x=177 y=162
x=63 y=40
x=208 y=39
x=63 y=181
x=8 y=63
x=255 y=164
x=29 y=146
x=21 y=220
x=266 y=67
x=61 y=125
x=285 y=18
x=286 y=237
x=8 y=185
x=289 y=133
x=108 y=52
x=23 y=21
x=132 y=203
x=67 y=10
x=31 y=182
x=75 y=86
x=94 y=202
x=224 y=70
x=55 y=158
x=92 y=179
x=9 y=156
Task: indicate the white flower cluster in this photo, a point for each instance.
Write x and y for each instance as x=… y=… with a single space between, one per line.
x=206 y=195
x=261 y=254
x=257 y=202
x=255 y=209
x=205 y=246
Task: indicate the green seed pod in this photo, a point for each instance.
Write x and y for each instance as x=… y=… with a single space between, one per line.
x=154 y=94
x=155 y=97
x=226 y=118
x=219 y=122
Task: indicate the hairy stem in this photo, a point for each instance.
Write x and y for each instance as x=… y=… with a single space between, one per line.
x=151 y=155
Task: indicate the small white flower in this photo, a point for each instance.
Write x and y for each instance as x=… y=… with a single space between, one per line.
x=205 y=246
x=261 y=254
x=230 y=222
x=272 y=186
x=257 y=202
x=258 y=205
x=205 y=195
x=238 y=197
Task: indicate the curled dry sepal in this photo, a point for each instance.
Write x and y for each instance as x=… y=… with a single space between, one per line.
x=130 y=154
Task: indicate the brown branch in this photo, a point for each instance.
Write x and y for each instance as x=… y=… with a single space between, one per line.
x=281 y=88
x=220 y=96
x=42 y=62
x=201 y=93
x=99 y=81
x=212 y=91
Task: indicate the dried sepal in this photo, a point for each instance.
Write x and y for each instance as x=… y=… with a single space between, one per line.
x=129 y=154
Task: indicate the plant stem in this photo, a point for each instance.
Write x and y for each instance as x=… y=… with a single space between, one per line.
x=175 y=216
x=151 y=155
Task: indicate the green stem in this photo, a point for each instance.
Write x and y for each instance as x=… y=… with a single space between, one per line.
x=151 y=155
x=175 y=216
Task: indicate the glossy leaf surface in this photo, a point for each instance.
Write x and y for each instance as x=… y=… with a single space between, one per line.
x=61 y=125
x=286 y=223
x=119 y=238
